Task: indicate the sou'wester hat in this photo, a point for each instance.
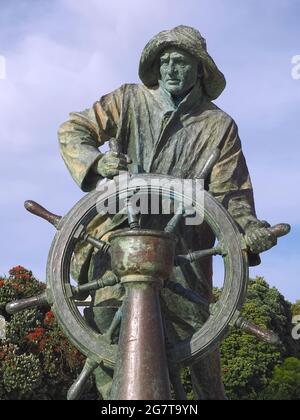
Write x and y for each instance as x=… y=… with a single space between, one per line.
x=190 y=40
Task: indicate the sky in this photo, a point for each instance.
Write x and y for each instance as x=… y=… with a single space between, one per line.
x=60 y=56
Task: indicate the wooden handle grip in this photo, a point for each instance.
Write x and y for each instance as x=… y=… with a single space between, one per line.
x=20 y=305
x=263 y=335
x=281 y=229
x=40 y=211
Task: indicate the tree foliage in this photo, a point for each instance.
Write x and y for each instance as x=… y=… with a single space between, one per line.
x=38 y=362
x=36 y=359
x=296 y=308
x=248 y=364
x=285 y=382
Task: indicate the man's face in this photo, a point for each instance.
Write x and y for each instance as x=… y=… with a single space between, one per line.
x=178 y=71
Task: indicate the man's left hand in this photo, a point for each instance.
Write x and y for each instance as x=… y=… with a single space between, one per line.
x=260 y=239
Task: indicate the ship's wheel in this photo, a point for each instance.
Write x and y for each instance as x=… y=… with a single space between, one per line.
x=143 y=256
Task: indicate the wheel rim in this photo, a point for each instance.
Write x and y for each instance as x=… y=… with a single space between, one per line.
x=207 y=338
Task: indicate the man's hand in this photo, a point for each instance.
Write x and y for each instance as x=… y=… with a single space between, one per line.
x=111 y=163
x=260 y=239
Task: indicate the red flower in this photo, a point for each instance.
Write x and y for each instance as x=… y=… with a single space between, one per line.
x=2 y=282
x=49 y=318
x=36 y=334
x=20 y=273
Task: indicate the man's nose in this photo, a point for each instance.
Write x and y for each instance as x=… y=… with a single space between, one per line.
x=172 y=67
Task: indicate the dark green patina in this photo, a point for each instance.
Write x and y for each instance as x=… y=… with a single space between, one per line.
x=166 y=126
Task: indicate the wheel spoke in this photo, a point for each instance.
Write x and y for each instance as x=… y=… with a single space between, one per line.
x=27 y=303
x=197 y=255
x=188 y=294
x=262 y=334
x=114 y=325
x=133 y=218
x=83 y=303
x=174 y=222
x=79 y=385
x=82 y=235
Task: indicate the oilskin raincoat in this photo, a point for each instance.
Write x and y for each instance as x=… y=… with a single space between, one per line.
x=165 y=138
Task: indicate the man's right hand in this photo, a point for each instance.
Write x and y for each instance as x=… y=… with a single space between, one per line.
x=111 y=164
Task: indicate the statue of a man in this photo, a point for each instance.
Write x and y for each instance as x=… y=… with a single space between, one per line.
x=166 y=125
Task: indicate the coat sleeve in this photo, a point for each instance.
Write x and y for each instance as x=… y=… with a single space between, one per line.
x=84 y=132
x=230 y=181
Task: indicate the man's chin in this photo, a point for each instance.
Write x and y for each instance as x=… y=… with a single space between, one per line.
x=174 y=90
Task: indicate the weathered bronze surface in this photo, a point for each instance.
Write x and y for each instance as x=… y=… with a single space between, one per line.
x=202 y=342
x=99 y=349
x=40 y=211
x=261 y=334
x=21 y=304
x=169 y=126
x=78 y=386
x=142 y=260
x=146 y=253
x=141 y=371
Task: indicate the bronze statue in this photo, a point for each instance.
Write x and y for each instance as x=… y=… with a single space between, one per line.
x=167 y=125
